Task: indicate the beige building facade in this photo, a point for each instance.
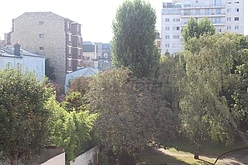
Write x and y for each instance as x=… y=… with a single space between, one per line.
x=57 y=38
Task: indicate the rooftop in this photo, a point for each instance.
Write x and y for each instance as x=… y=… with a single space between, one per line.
x=8 y=51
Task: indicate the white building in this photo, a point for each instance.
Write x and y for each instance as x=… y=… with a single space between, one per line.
x=226 y=15
x=13 y=56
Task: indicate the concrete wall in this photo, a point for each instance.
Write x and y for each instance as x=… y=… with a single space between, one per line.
x=57 y=160
x=87 y=157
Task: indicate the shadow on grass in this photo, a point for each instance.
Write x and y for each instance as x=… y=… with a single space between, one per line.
x=152 y=156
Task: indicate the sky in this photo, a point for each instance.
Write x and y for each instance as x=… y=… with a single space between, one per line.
x=96 y=16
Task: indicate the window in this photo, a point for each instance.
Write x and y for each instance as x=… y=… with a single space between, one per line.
x=69 y=64
x=176 y=28
x=228 y=27
x=197 y=11
x=219 y=30
x=237 y=10
x=78 y=28
x=176 y=20
x=167 y=19
x=217 y=20
x=187 y=12
x=41 y=35
x=228 y=2
x=41 y=23
x=228 y=18
x=69 y=37
x=167 y=45
x=79 y=40
x=236 y=18
x=69 y=51
x=237 y=2
x=236 y=27
x=218 y=11
x=207 y=11
x=175 y=36
x=167 y=37
x=68 y=25
x=217 y=2
x=41 y=48
x=79 y=53
x=196 y=1
x=228 y=10
x=167 y=28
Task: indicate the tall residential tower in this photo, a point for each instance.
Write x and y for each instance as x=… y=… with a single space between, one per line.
x=226 y=15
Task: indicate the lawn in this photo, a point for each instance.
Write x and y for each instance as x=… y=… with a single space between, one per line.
x=184 y=155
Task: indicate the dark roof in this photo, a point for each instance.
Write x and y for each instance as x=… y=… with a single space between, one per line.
x=88 y=46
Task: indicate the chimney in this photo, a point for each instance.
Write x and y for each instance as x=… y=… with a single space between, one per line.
x=17 y=49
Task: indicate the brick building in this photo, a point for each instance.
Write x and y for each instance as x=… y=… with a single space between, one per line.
x=57 y=38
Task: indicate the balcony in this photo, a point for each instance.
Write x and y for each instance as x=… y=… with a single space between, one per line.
x=200 y=15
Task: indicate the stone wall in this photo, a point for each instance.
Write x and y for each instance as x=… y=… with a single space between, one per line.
x=43 y=33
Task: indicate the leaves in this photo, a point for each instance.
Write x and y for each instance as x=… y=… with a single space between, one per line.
x=130 y=111
x=25 y=120
x=133 y=44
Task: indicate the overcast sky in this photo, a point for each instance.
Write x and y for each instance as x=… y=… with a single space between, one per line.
x=95 y=15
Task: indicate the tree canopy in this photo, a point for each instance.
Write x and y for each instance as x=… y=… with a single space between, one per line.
x=210 y=83
x=195 y=29
x=24 y=119
x=133 y=44
x=130 y=111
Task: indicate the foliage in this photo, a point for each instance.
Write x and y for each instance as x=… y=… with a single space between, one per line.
x=130 y=111
x=80 y=84
x=206 y=105
x=25 y=120
x=73 y=102
x=71 y=130
x=171 y=73
x=240 y=95
x=195 y=29
x=49 y=70
x=133 y=44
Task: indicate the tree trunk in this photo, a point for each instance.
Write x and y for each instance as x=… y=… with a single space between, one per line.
x=13 y=159
x=196 y=155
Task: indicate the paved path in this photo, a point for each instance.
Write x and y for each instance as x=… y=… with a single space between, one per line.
x=235 y=158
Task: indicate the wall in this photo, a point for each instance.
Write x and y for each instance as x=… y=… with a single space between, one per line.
x=57 y=160
x=86 y=157
x=27 y=29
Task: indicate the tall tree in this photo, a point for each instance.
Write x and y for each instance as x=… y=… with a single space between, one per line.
x=130 y=111
x=195 y=29
x=24 y=119
x=206 y=106
x=133 y=44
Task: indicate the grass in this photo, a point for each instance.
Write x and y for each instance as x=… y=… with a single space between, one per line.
x=184 y=155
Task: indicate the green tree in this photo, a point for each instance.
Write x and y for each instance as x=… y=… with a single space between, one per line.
x=133 y=44
x=73 y=102
x=24 y=119
x=130 y=111
x=240 y=95
x=195 y=29
x=209 y=84
x=71 y=130
x=170 y=78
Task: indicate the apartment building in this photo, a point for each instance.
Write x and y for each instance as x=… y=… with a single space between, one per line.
x=103 y=51
x=226 y=15
x=53 y=36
